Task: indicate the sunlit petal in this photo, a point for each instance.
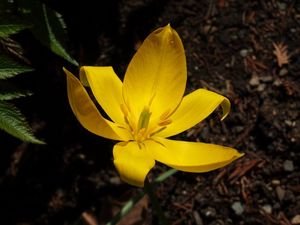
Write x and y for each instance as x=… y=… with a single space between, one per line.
x=107 y=89
x=132 y=162
x=156 y=75
x=191 y=156
x=87 y=113
x=148 y=107
x=195 y=107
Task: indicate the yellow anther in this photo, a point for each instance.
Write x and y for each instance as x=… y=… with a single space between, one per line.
x=127 y=118
x=165 y=122
x=165 y=115
x=142 y=132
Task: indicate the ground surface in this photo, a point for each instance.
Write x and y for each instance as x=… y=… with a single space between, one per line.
x=230 y=49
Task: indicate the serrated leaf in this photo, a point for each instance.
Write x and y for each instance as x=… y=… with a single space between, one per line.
x=10 y=68
x=9 y=91
x=13 y=122
x=4 y=96
x=55 y=45
x=11 y=28
x=48 y=27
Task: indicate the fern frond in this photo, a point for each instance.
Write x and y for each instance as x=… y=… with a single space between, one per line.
x=13 y=122
x=11 y=28
x=9 y=91
x=10 y=68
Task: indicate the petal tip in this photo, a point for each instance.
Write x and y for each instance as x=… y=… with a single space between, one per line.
x=236 y=155
x=168 y=26
x=239 y=155
x=65 y=70
x=226 y=108
x=166 y=30
x=68 y=73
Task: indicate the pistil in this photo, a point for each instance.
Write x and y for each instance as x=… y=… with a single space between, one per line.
x=144 y=118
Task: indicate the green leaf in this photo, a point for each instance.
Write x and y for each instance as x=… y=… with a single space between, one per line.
x=9 y=91
x=10 y=68
x=7 y=29
x=13 y=122
x=48 y=27
x=55 y=45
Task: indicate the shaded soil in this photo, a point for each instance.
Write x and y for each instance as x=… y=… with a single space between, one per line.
x=230 y=49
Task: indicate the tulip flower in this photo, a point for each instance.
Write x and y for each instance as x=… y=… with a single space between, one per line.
x=147 y=108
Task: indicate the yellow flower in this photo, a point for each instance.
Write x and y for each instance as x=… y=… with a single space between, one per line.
x=147 y=108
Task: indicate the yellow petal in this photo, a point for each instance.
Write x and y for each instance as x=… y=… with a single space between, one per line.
x=156 y=75
x=195 y=107
x=83 y=78
x=132 y=162
x=191 y=156
x=107 y=89
x=87 y=113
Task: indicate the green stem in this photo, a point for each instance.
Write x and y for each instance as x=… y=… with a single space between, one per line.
x=164 y=176
x=155 y=205
x=126 y=208
x=131 y=203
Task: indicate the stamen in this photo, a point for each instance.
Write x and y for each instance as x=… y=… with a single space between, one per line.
x=142 y=131
x=165 y=115
x=141 y=145
x=131 y=126
x=127 y=118
x=140 y=136
x=159 y=143
x=155 y=132
x=121 y=127
x=165 y=122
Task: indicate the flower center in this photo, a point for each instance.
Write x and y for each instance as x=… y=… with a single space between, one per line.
x=144 y=128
